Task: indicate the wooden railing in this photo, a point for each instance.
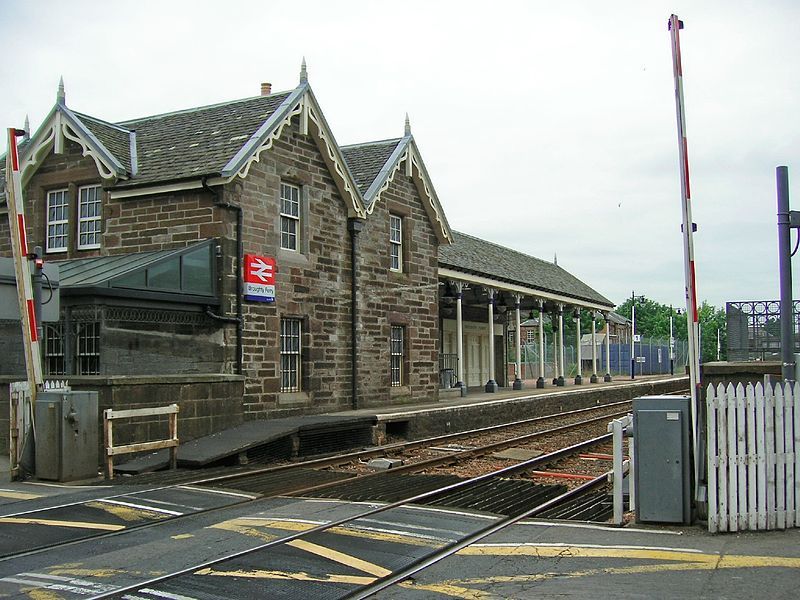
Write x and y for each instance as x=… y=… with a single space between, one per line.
x=171 y=442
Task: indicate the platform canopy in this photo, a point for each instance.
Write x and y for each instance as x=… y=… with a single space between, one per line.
x=483 y=265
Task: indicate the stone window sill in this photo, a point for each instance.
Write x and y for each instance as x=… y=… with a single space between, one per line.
x=403 y=390
x=285 y=398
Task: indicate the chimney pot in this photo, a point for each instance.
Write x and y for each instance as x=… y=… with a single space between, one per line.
x=266 y=89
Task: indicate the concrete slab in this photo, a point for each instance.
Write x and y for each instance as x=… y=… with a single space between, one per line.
x=252 y=434
x=517 y=454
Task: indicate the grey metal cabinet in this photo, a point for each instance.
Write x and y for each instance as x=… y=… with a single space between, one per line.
x=662 y=465
x=66 y=435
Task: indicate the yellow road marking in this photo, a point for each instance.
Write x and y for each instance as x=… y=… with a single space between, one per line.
x=74 y=524
x=715 y=560
x=249 y=527
x=241 y=526
x=453 y=590
x=341 y=557
x=41 y=594
x=246 y=526
x=447 y=590
x=299 y=576
x=78 y=572
x=18 y=495
x=127 y=513
x=182 y=536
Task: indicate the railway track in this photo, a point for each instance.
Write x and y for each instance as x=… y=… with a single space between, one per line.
x=324 y=477
x=505 y=492
x=191 y=581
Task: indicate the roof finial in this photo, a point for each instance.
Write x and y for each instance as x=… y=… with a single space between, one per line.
x=27 y=128
x=555 y=258
x=61 y=96
x=303 y=72
x=408 y=126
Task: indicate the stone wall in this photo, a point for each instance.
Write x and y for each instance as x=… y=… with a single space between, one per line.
x=208 y=403
x=736 y=372
x=69 y=170
x=408 y=298
x=312 y=284
x=469 y=416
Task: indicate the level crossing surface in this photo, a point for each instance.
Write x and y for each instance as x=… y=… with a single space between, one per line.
x=530 y=559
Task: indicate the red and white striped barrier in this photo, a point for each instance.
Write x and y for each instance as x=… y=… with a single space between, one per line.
x=19 y=244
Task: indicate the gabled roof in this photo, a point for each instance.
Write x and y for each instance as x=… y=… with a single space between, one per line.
x=183 y=149
x=474 y=256
x=367 y=160
x=374 y=165
x=197 y=142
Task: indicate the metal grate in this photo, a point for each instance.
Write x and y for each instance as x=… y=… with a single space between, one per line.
x=754 y=329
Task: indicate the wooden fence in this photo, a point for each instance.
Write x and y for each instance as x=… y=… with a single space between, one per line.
x=753 y=457
x=171 y=442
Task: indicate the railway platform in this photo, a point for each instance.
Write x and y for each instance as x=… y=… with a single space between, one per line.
x=456 y=413
x=317 y=434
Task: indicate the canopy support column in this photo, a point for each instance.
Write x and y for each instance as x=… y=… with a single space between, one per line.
x=540 y=380
x=518 y=376
x=607 y=376
x=491 y=385
x=459 y=285
x=593 y=378
x=579 y=375
x=561 y=353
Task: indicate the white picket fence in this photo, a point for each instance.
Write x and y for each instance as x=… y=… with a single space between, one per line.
x=753 y=457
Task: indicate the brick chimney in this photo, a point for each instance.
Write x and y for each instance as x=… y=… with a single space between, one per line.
x=266 y=89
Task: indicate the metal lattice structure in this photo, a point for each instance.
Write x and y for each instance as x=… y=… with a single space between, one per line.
x=754 y=329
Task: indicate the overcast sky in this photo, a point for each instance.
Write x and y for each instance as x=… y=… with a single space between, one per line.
x=547 y=127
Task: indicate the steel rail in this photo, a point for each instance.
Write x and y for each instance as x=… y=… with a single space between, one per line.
x=330 y=461
x=327 y=461
x=429 y=560
x=528 y=464
x=470 y=454
x=410 y=445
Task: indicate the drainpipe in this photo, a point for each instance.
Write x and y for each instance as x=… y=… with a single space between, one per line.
x=354 y=226
x=239 y=318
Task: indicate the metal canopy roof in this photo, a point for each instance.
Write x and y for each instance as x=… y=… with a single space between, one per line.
x=112 y=275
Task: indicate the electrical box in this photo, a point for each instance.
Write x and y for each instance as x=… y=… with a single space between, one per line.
x=9 y=303
x=66 y=435
x=662 y=465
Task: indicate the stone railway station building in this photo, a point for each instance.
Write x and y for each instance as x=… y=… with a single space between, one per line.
x=155 y=223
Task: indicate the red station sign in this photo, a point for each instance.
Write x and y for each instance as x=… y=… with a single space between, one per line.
x=259 y=278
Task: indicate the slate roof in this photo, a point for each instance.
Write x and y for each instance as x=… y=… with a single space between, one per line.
x=180 y=145
x=117 y=140
x=479 y=257
x=196 y=142
x=366 y=160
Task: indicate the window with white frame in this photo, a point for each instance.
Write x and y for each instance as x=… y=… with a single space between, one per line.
x=89 y=217
x=396 y=242
x=57 y=220
x=291 y=330
x=397 y=354
x=531 y=336
x=290 y=216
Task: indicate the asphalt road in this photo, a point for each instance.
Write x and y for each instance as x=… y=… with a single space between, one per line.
x=531 y=559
